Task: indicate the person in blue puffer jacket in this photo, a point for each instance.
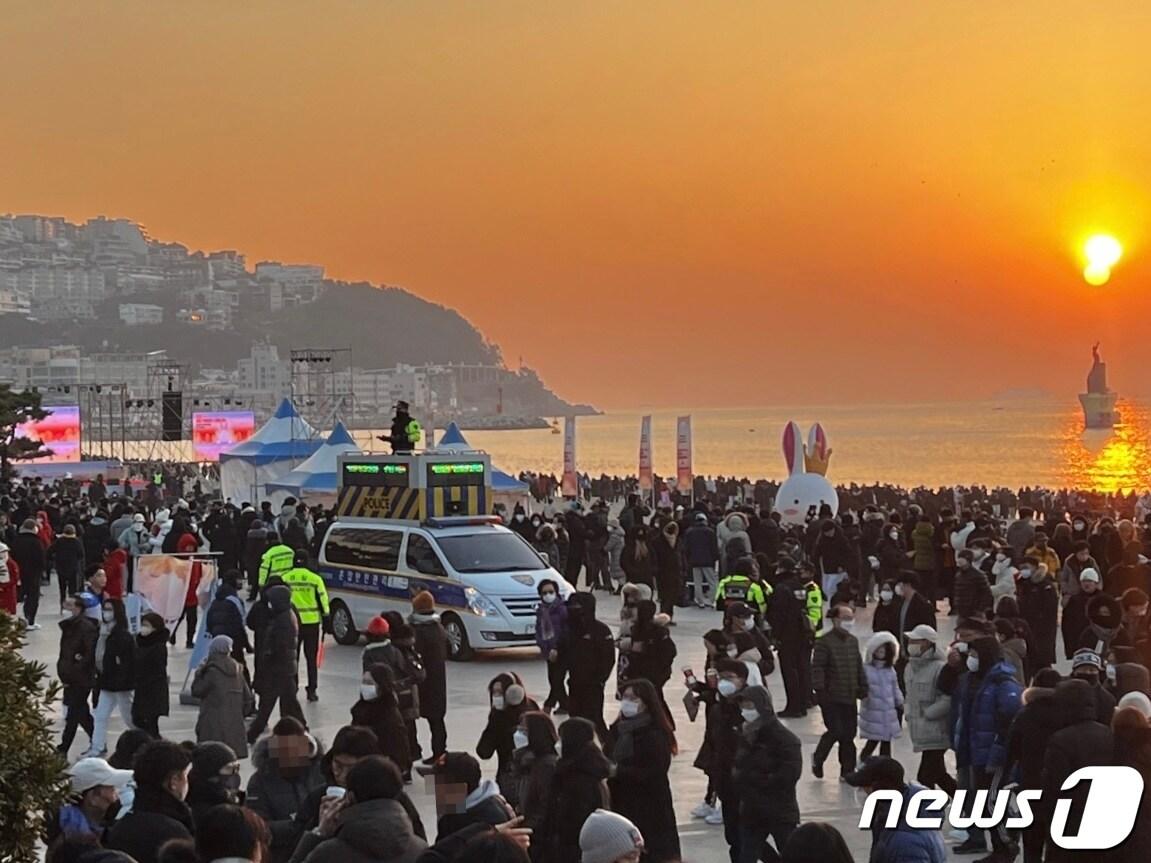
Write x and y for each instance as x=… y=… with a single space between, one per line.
x=551 y=627
x=988 y=697
x=900 y=843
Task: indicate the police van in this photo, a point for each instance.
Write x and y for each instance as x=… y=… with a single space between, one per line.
x=409 y=523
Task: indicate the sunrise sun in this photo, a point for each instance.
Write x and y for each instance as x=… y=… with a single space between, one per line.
x=1102 y=252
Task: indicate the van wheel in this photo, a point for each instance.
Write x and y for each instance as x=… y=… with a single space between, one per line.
x=459 y=648
x=343 y=626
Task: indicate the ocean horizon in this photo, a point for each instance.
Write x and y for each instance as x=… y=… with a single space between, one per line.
x=1008 y=442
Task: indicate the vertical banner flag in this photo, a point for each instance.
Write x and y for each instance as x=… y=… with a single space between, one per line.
x=570 y=486
x=683 y=455
x=645 y=478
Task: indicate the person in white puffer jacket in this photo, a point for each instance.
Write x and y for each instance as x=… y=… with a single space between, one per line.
x=928 y=709
x=881 y=712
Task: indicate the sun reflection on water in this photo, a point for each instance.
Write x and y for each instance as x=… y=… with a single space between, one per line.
x=1108 y=461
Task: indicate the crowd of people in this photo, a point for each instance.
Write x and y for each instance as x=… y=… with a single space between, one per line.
x=574 y=779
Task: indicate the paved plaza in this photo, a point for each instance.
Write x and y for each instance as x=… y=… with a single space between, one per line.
x=823 y=800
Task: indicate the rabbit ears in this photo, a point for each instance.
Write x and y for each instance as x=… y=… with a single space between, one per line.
x=813 y=457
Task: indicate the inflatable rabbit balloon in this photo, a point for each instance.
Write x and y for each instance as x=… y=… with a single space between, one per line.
x=806 y=488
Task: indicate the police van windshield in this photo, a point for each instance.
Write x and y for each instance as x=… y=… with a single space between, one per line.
x=489 y=552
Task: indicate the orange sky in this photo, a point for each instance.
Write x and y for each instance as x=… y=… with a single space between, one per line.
x=671 y=203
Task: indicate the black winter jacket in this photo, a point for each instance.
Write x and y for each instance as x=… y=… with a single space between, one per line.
x=224 y=618
x=76 y=665
x=29 y=554
x=119 y=666
x=67 y=555
x=156 y=817
x=151 y=697
x=276 y=668
x=971 y=594
x=767 y=768
x=578 y=788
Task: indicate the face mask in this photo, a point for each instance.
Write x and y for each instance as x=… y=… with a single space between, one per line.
x=1000 y=558
x=145 y=629
x=749 y=714
x=549 y=598
x=497 y=702
x=973 y=663
x=799 y=594
x=886 y=595
x=899 y=590
x=520 y=739
x=368 y=693
x=1026 y=572
x=108 y=616
x=628 y=708
x=559 y=749
x=847 y=625
x=732 y=651
x=727 y=688
x=916 y=650
x=749 y=624
x=893 y=534
x=519 y=518
x=1112 y=674
x=1079 y=525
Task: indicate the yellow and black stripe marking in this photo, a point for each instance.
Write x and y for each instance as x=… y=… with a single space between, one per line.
x=379 y=502
x=456 y=500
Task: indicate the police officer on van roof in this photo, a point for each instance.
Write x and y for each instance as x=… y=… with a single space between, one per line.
x=405 y=433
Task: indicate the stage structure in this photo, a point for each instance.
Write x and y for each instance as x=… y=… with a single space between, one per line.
x=321 y=387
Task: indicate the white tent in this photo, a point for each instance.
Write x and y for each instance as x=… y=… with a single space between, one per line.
x=317 y=479
x=281 y=443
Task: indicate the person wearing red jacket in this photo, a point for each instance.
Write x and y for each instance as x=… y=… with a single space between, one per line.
x=115 y=567
x=9 y=581
x=186 y=542
x=44 y=529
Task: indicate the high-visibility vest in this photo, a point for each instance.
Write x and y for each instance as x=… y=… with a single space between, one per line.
x=413 y=431
x=814 y=605
x=309 y=596
x=276 y=561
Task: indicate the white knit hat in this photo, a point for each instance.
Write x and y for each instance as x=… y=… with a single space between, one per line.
x=605 y=837
x=1137 y=700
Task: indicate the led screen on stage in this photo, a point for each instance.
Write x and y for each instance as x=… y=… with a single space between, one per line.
x=58 y=432
x=214 y=432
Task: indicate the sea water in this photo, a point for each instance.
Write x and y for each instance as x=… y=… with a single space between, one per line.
x=1009 y=443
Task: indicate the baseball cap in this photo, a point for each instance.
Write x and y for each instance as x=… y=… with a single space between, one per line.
x=701 y=518
x=1090 y=574
x=88 y=773
x=923 y=632
x=877 y=771
x=1086 y=656
x=460 y=766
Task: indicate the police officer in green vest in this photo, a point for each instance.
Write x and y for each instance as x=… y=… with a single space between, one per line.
x=310 y=599
x=406 y=432
x=277 y=560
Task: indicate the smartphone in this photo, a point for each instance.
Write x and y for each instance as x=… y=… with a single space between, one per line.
x=335 y=791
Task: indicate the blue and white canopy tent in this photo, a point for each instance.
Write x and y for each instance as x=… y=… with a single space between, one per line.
x=280 y=444
x=318 y=478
